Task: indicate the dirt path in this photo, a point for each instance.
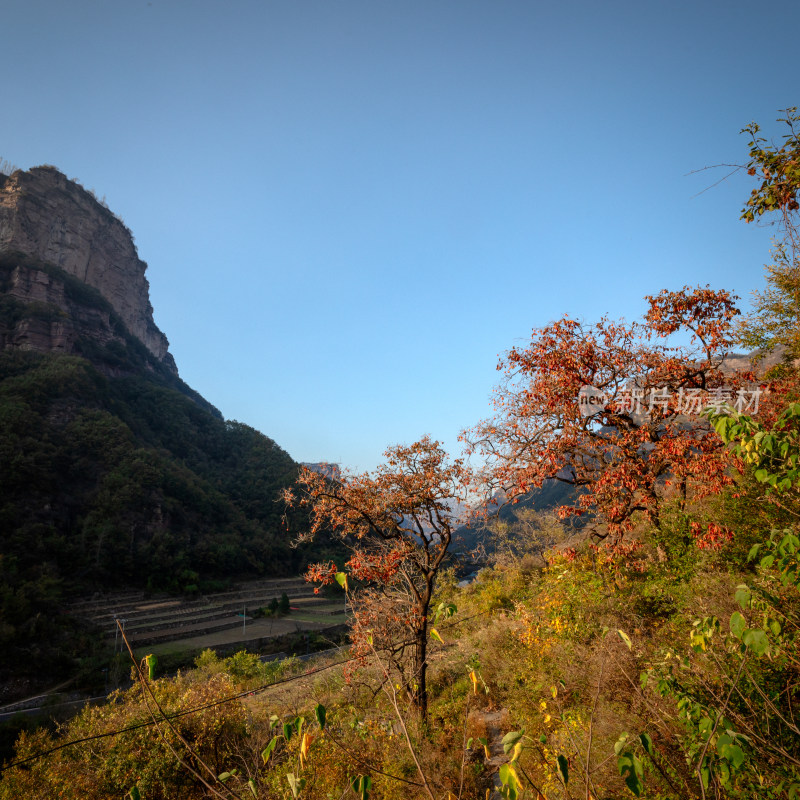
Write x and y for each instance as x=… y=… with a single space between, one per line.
x=496 y=723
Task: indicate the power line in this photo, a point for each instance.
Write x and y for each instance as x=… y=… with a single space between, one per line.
x=196 y=709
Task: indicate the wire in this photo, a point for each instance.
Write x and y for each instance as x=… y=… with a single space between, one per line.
x=263 y=688
x=176 y=715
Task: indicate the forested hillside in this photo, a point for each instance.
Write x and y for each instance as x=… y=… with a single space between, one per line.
x=113 y=472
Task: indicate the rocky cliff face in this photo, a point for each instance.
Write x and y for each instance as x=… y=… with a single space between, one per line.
x=45 y=215
x=40 y=311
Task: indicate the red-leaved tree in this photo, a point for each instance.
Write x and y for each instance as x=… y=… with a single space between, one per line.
x=642 y=437
x=399 y=524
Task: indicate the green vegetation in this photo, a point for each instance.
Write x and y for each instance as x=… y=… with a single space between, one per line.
x=275 y=607
x=590 y=674
x=125 y=480
x=114 y=473
x=659 y=659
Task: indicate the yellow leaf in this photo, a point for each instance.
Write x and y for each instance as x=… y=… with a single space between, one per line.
x=435 y=635
x=517 y=752
x=513 y=773
x=474 y=679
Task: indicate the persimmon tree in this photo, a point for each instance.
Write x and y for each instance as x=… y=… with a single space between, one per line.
x=399 y=523
x=642 y=437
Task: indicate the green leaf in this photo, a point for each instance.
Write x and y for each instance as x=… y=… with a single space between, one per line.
x=634 y=783
x=251 y=785
x=288 y=730
x=508 y=779
x=133 y=794
x=445 y=610
x=734 y=754
x=267 y=751
x=510 y=739
x=319 y=712
x=647 y=743
x=620 y=743
x=341 y=579
x=361 y=786
x=295 y=784
x=632 y=772
x=563 y=769
x=756 y=640
x=742 y=597
x=767 y=561
x=738 y=624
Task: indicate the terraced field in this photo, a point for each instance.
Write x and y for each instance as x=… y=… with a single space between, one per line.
x=169 y=624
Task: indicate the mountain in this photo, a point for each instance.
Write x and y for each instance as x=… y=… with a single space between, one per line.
x=54 y=220
x=476 y=536
x=113 y=472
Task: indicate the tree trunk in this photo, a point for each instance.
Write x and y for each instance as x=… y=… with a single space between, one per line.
x=419 y=677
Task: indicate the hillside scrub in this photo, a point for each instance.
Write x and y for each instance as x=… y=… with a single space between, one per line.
x=589 y=652
x=657 y=660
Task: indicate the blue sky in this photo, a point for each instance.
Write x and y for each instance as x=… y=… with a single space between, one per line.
x=349 y=209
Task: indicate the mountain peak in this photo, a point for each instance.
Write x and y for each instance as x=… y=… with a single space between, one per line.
x=47 y=216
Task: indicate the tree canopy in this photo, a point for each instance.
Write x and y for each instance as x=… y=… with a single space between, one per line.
x=641 y=437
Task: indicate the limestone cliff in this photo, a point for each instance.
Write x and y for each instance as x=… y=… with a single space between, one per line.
x=45 y=215
x=44 y=310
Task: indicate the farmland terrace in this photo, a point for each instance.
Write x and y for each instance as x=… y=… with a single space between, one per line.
x=220 y=620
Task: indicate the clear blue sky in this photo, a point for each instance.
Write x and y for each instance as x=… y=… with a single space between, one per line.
x=349 y=209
